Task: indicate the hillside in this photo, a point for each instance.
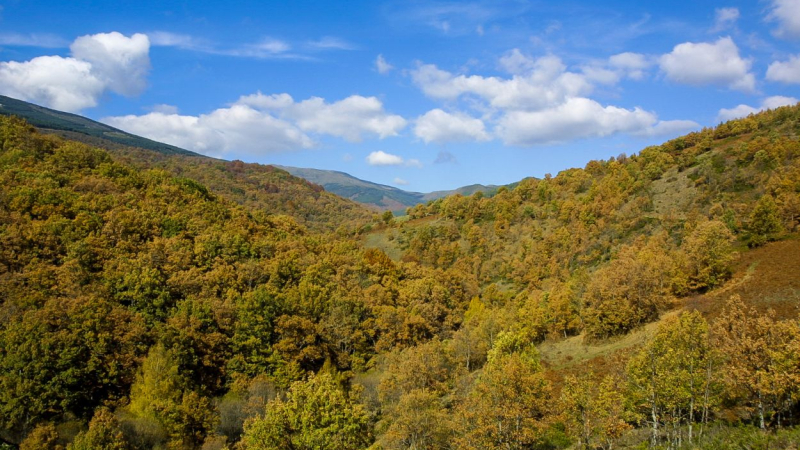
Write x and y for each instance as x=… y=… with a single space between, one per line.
x=385 y=198
x=644 y=300
x=58 y=121
x=254 y=185
x=372 y=195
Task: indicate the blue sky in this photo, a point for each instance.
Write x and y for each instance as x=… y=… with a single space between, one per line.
x=419 y=95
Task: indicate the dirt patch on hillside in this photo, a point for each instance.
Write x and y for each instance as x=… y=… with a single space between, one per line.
x=766 y=278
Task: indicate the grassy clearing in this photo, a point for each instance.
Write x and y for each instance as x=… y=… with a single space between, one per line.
x=576 y=352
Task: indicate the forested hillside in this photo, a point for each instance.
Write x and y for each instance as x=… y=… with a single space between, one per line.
x=143 y=309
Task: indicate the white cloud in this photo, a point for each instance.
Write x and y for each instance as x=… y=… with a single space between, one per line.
x=785 y=71
x=165 y=109
x=259 y=124
x=169 y=39
x=262 y=49
x=381 y=158
x=574 y=119
x=724 y=18
x=709 y=63
x=669 y=128
x=45 y=40
x=382 y=66
x=414 y=163
x=514 y=62
x=400 y=182
x=331 y=43
x=787 y=14
x=121 y=62
x=100 y=62
x=349 y=118
x=619 y=66
x=541 y=102
x=62 y=83
x=238 y=128
x=546 y=82
x=442 y=127
x=269 y=102
x=632 y=65
x=745 y=110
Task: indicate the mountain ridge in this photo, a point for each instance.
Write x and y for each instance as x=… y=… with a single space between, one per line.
x=382 y=196
x=77 y=127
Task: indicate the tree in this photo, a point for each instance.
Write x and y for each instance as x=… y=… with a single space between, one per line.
x=317 y=414
x=672 y=378
x=631 y=290
x=709 y=254
x=104 y=433
x=507 y=406
x=43 y=437
x=594 y=413
x=762 y=364
x=765 y=222
x=419 y=420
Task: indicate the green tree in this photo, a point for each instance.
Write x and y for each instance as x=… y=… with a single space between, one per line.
x=43 y=437
x=317 y=414
x=765 y=222
x=104 y=433
x=709 y=254
x=594 y=414
x=671 y=379
x=507 y=406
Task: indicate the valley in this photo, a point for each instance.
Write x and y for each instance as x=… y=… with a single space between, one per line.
x=157 y=299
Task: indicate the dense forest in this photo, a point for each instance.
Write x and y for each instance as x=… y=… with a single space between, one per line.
x=151 y=301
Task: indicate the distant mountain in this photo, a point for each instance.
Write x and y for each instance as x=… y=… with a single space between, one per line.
x=48 y=119
x=76 y=127
x=378 y=195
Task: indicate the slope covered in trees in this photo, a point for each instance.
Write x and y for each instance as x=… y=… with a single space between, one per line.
x=142 y=309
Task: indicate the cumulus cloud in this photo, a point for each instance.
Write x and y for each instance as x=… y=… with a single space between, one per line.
x=165 y=109
x=574 y=119
x=787 y=14
x=442 y=127
x=381 y=158
x=349 y=118
x=785 y=71
x=62 y=83
x=119 y=61
x=546 y=82
x=706 y=63
x=238 y=128
x=100 y=62
x=745 y=110
x=632 y=65
x=542 y=102
x=400 y=182
x=724 y=18
x=382 y=66
x=260 y=123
